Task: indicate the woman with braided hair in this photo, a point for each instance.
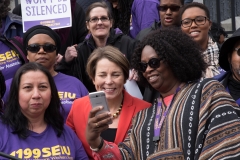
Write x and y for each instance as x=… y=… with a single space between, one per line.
x=121 y=10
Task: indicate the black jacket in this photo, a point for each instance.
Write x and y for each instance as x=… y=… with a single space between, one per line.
x=143 y=33
x=78 y=30
x=77 y=67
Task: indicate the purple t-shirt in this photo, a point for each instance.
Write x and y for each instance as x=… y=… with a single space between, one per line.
x=144 y=13
x=45 y=145
x=69 y=88
x=9 y=61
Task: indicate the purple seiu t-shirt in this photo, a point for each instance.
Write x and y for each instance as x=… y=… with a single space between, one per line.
x=9 y=61
x=69 y=88
x=45 y=145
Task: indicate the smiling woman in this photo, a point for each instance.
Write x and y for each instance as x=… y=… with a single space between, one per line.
x=108 y=68
x=189 y=116
x=99 y=22
x=195 y=22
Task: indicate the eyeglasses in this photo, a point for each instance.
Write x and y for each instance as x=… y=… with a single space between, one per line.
x=173 y=8
x=153 y=63
x=238 y=51
x=199 y=20
x=34 y=48
x=96 y=19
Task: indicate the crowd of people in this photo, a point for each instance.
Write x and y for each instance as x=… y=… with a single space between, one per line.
x=187 y=70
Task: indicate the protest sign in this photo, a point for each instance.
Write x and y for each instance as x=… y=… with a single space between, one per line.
x=53 y=13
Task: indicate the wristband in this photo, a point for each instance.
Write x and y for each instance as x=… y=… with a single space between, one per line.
x=99 y=147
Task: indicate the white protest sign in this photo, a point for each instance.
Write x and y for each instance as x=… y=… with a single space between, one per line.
x=53 y=13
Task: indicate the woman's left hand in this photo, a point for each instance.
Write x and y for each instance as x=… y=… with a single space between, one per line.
x=96 y=125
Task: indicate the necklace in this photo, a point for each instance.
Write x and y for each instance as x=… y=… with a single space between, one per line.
x=117 y=113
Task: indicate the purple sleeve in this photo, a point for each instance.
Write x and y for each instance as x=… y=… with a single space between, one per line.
x=147 y=14
x=83 y=89
x=143 y=15
x=80 y=152
x=8 y=85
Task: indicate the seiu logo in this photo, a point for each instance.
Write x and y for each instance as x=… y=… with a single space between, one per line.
x=66 y=95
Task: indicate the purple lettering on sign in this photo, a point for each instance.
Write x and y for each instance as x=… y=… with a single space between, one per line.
x=46 y=10
x=53 y=23
x=36 y=1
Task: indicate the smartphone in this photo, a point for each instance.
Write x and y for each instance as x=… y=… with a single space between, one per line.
x=99 y=99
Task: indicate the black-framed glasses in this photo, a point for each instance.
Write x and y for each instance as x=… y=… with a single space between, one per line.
x=96 y=19
x=173 y=8
x=48 y=47
x=238 y=51
x=199 y=20
x=153 y=63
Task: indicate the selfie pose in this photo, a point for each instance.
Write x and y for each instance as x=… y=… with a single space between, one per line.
x=109 y=69
x=189 y=118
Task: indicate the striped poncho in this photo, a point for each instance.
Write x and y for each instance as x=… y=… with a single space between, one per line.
x=203 y=123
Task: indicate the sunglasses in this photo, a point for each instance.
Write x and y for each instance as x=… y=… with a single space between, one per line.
x=173 y=8
x=153 y=63
x=34 y=48
x=238 y=51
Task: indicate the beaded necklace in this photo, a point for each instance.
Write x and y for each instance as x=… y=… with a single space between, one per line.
x=117 y=113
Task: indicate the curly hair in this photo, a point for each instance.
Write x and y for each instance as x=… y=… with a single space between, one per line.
x=122 y=15
x=177 y=49
x=4 y=8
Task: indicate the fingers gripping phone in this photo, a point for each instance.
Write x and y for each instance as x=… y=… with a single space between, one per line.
x=99 y=99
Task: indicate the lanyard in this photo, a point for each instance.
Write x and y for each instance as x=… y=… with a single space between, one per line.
x=158 y=125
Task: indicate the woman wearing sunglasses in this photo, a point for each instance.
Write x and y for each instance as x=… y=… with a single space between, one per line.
x=42 y=45
x=229 y=60
x=99 y=23
x=195 y=22
x=190 y=117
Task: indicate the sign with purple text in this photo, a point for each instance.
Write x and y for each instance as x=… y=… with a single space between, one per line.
x=53 y=13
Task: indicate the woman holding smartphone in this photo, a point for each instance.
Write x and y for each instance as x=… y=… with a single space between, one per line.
x=108 y=69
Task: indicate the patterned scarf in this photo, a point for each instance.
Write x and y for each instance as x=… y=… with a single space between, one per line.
x=211 y=55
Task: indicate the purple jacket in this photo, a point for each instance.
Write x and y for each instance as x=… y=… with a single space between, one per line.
x=144 y=13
